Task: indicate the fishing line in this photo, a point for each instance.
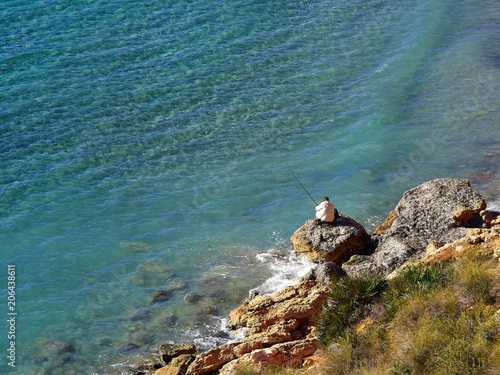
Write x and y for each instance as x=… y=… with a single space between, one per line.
x=303 y=187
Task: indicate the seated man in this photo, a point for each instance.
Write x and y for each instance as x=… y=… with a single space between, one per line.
x=325 y=211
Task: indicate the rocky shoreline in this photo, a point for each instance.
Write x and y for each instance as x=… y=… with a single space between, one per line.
x=433 y=222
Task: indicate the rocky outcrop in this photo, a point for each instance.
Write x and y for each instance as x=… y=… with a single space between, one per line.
x=484 y=241
x=279 y=323
x=324 y=272
x=440 y=210
x=279 y=328
x=289 y=354
x=212 y=360
x=334 y=242
x=293 y=304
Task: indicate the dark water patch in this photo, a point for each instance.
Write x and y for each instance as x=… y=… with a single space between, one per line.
x=161 y=296
x=54 y=352
x=142 y=314
x=129 y=348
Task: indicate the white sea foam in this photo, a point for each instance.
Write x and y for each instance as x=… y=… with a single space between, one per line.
x=287 y=269
x=494 y=206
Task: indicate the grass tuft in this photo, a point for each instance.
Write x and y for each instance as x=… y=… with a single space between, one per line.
x=350 y=300
x=430 y=319
x=437 y=319
x=414 y=280
x=476 y=279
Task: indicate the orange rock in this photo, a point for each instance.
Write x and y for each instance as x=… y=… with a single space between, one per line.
x=393 y=215
x=212 y=360
x=299 y=302
x=169 y=370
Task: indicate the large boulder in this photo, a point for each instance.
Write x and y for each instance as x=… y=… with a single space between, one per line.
x=334 y=242
x=325 y=272
x=294 y=303
x=435 y=211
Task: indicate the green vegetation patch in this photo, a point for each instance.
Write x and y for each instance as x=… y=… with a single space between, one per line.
x=350 y=300
x=429 y=319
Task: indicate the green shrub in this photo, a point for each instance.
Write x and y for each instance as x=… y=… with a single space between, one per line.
x=436 y=333
x=413 y=280
x=350 y=300
x=445 y=345
x=438 y=319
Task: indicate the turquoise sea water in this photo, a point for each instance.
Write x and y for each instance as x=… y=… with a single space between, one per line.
x=148 y=146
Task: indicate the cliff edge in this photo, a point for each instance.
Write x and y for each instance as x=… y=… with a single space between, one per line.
x=435 y=221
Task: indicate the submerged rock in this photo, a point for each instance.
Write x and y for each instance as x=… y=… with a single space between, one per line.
x=192 y=297
x=130 y=347
x=161 y=296
x=55 y=346
x=141 y=314
x=55 y=351
x=141 y=334
x=206 y=311
x=334 y=242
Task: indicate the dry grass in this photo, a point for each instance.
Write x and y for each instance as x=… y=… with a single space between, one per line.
x=248 y=369
x=430 y=319
x=438 y=320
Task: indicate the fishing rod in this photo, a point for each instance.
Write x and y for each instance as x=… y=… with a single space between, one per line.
x=303 y=187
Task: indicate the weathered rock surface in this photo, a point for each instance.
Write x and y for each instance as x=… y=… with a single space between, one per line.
x=298 y=302
x=435 y=220
x=279 y=330
x=334 y=242
x=170 y=370
x=439 y=210
x=212 y=360
x=170 y=351
x=290 y=354
x=325 y=272
x=146 y=368
x=485 y=241
x=490 y=218
x=178 y=365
